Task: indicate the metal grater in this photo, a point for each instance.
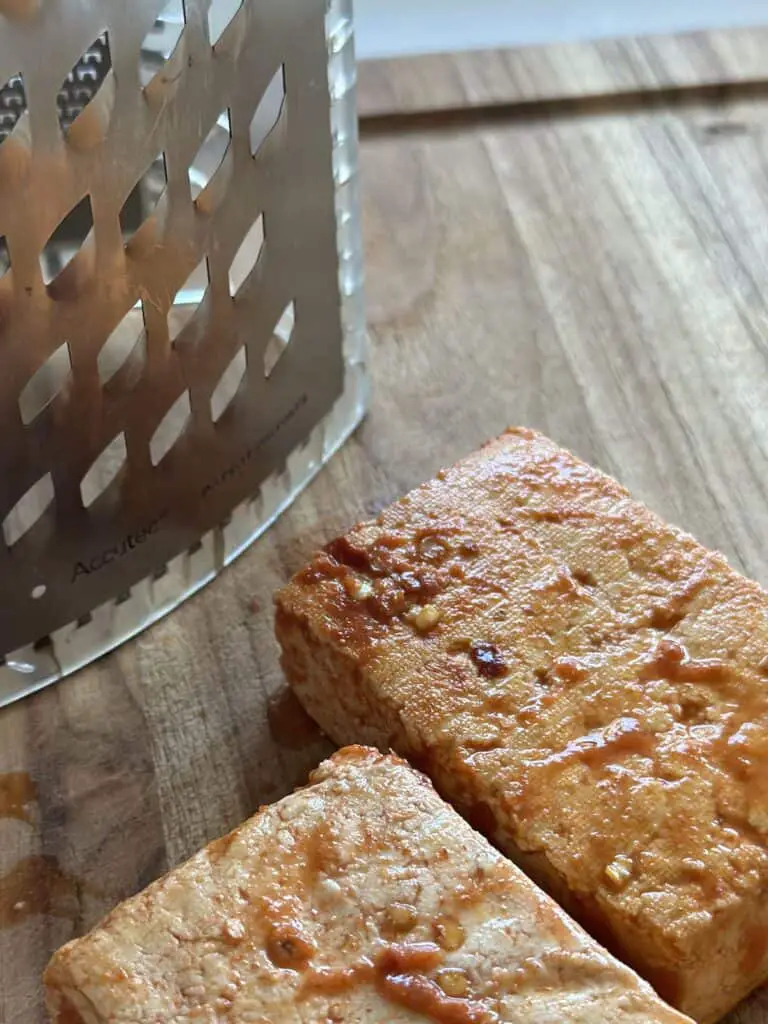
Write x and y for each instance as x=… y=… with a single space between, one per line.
x=13 y=104
x=77 y=91
x=79 y=88
x=182 y=327
x=83 y=81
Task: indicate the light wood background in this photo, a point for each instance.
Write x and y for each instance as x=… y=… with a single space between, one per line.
x=584 y=255
x=687 y=64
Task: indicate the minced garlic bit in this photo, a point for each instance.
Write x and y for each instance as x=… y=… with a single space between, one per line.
x=659 y=719
x=449 y=934
x=234 y=930
x=453 y=982
x=459 y=645
x=426 y=618
x=620 y=871
x=402 y=917
x=758 y=818
x=358 y=589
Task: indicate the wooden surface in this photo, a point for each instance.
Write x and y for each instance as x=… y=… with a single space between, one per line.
x=689 y=65
x=599 y=274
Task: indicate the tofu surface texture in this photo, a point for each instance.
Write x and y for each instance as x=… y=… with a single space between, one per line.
x=586 y=683
x=361 y=898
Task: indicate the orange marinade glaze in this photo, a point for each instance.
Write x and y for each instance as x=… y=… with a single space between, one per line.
x=585 y=681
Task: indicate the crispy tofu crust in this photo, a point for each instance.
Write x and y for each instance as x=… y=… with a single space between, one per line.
x=360 y=898
x=586 y=683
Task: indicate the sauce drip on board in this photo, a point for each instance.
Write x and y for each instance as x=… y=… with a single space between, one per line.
x=17 y=793
x=37 y=885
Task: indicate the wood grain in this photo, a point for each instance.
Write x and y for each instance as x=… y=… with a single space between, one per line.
x=600 y=277
x=693 y=62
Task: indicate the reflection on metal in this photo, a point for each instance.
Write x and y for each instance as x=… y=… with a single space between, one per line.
x=186 y=418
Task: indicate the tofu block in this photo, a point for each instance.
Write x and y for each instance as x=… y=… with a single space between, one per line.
x=362 y=898
x=587 y=684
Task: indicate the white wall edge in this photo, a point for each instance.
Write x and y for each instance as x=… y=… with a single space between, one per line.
x=388 y=28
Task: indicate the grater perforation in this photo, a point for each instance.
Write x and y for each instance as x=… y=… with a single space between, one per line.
x=117 y=253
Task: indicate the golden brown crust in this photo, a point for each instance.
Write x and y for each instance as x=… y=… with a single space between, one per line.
x=362 y=897
x=587 y=683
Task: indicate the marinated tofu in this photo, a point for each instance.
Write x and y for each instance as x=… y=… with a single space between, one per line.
x=586 y=683
x=361 y=898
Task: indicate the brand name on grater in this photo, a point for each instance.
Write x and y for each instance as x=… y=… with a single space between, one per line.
x=132 y=541
x=251 y=453
x=124 y=547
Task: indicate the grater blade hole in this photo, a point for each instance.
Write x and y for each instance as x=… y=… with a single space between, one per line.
x=142 y=203
x=225 y=391
x=28 y=510
x=187 y=300
x=66 y=241
x=48 y=382
x=5 y=256
x=84 y=82
x=127 y=341
x=104 y=471
x=268 y=111
x=220 y=15
x=171 y=428
x=210 y=156
x=246 y=257
x=280 y=340
x=13 y=105
x=160 y=43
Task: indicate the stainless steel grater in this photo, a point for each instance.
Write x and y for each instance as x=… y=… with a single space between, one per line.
x=77 y=91
x=181 y=318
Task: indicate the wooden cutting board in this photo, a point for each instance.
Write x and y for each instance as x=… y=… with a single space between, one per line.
x=575 y=239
